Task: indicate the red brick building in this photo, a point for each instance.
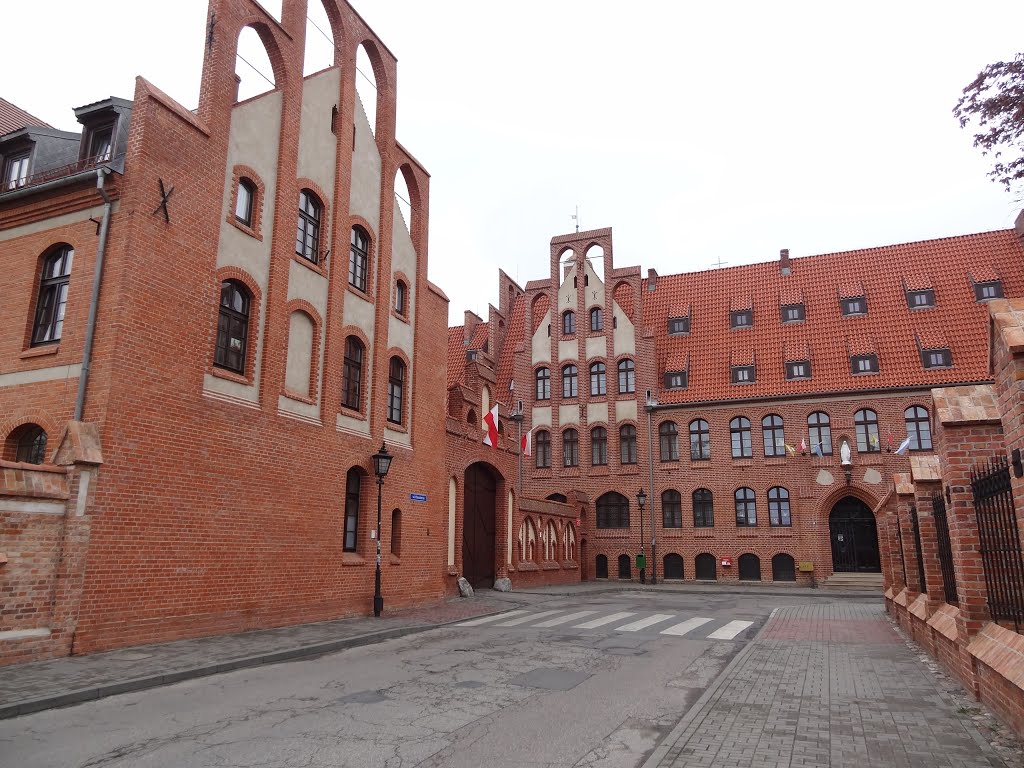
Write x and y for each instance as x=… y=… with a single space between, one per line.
x=263 y=323
x=726 y=397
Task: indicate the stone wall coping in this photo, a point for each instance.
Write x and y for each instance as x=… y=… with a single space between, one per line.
x=1008 y=321
x=943 y=621
x=973 y=404
x=925 y=469
x=1002 y=650
x=903 y=483
x=546 y=507
x=24 y=466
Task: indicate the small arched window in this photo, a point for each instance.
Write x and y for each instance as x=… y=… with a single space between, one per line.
x=774 y=437
x=53 y=296
x=598 y=385
x=232 y=326
x=244 y=199
x=778 y=507
x=627 y=444
x=358 y=256
x=570 y=448
x=599 y=446
x=352 y=375
x=919 y=428
x=866 y=422
x=746 y=509
x=471 y=416
x=569 y=381
x=543 y=379
x=671 y=509
x=396 y=389
x=612 y=511
x=307 y=236
x=703 y=509
x=627 y=377
x=543 y=449
x=28 y=444
x=739 y=429
x=352 y=482
x=569 y=323
x=596 y=319
x=668 y=441
x=569 y=539
x=700 y=440
x=400 y=297
x=819 y=427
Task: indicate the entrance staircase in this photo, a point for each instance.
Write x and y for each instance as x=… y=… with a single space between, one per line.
x=852 y=582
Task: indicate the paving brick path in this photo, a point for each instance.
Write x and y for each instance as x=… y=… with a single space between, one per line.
x=830 y=685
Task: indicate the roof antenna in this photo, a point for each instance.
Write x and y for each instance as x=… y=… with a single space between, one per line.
x=720 y=263
x=576 y=218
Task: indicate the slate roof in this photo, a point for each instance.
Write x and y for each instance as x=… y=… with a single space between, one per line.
x=890 y=328
x=14 y=118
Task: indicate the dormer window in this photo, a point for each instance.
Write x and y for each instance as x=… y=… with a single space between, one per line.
x=471 y=355
x=741 y=318
x=855 y=305
x=743 y=374
x=936 y=358
x=16 y=171
x=798 y=369
x=922 y=299
x=792 y=313
x=676 y=379
x=990 y=289
x=863 y=364
x=101 y=144
x=678 y=326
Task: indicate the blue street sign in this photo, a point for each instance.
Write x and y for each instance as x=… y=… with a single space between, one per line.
x=418 y=496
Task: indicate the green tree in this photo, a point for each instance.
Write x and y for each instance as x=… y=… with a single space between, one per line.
x=993 y=104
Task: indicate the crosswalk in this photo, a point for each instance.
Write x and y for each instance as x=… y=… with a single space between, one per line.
x=618 y=621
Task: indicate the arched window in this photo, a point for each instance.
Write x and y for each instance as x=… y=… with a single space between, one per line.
x=673 y=566
x=352 y=482
x=703 y=509
x=596 y=319
x=570 y=541
x=627 y=377
x=527 y=541
x=668 y=440
x=599 y=446
x=919 y=428
x=569 y=381
x=358 y=256
x=774 y=438
x=700 y=440
x=550 y=542
x=627 y=444
x=396 y=532
x=569 y=323
x=28 y=444
x=352 y=374
x=400 y=296
x=778 y=507
x=625 y=571
x=612 y=511
x=559 y=497
x=819 y=427
x=396 y=389
x=671 y=509
x=543 y=378
x=601 y=567
x=783 y=568
x=543 y=449
x=53 y=296
x=739 y=429
x=746 y=508
x=244 y=200
x=307 y=236
x=570 y=448
x=705 y=567
x=750 y=567
x=232 y=326
x=866 y=422
x=598 y=384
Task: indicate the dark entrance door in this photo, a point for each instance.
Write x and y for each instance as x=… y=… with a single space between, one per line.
x=478 y=525
x=851 y=526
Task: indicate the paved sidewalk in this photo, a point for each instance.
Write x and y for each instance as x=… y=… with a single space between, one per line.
x=709 y=587
x=827 y=685
x=32 y=687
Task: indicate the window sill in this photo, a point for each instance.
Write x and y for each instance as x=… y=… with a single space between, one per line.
x=742 y=462
x=611 y=533
x=318 y=268
x=396 y=427
x=550 y=565
x=630 y=469
x=351 y=413
x=242 y=226
x=364 y=295
x=49 y=349
x=746 y=535
x=601 y=470
x=298 y=398
x=394 y=559
x=222 y=373
x=774 y=461
x=781 y=534
x=399 y=316
x=352 y=558
x=527 y=566
x=704 y=534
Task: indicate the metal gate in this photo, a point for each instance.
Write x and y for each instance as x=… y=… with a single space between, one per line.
x=945 y=550
x=854 y=537
x=999 y=540
x=917 y=548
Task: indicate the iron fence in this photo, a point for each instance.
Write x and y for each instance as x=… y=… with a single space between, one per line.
x=999 y=540
x=917 y=548
x=899 y=544
x=945 y=550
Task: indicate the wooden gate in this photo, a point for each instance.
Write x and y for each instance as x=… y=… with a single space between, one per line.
x=478 y=525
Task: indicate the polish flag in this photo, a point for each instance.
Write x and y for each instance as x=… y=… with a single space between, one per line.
x=491 y=420
x=526 y=444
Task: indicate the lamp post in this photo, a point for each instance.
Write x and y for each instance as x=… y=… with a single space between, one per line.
x=651 y=404
x=641 y=497
x=517 y=417
x=381 y=465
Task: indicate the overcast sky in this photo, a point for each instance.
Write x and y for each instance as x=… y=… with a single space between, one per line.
x=698 y=132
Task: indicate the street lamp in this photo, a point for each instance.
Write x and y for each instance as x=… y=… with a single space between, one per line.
x=381 y=465
x=652 y=403
x=641 y=497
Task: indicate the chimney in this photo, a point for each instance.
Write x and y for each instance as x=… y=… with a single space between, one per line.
x=652 y=279
x=784 y=267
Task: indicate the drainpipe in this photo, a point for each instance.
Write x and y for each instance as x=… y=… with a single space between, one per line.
x=97 y=279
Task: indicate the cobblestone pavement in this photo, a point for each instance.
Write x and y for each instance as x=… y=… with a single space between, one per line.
x=827 y=685
x=44 y=684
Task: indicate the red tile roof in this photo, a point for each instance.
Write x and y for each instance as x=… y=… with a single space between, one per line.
x=505 y=363
x=456 y=357
x=13 y=118
x=890 y=328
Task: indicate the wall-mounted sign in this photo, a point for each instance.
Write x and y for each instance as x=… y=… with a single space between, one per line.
x=726 y=562
x=418 y=496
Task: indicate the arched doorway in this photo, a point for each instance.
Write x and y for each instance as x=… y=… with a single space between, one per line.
x=706 y=565
x=673 y=566
x=750 y=567
x=479 y=524
x=783 y=568
x=854 y=535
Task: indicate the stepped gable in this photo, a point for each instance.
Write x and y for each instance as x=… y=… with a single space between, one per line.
x=949 y=266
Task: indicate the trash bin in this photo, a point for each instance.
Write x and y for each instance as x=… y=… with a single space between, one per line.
x=641 y=562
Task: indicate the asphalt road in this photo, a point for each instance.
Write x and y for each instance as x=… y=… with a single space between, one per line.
x=590 y=681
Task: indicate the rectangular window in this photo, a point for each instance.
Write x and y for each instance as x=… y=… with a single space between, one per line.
x=992 y=289
x=923 y=299
x=798 y=370
x=792 y=313
x=741 y=318
x=678 y=325
x=857 y=305
x=743 y=374
x=864 y=364
x=101 y=144
x=675 y=380
x=16 y=171
x=937 y=358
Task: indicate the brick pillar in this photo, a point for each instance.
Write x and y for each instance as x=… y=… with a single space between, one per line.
x=924 y=491
x=903 y=487
x=906 y=526
x=892 y=571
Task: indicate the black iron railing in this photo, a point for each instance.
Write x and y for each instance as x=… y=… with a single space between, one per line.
x=999 y=540
x=945 y=550
x=917 y=547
